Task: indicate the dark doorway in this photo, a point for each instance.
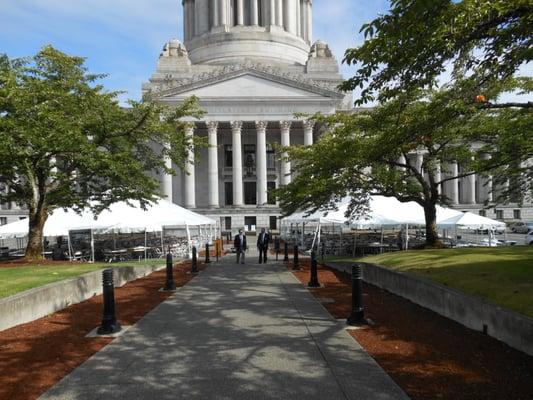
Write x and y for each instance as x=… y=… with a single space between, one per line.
x=250 y=193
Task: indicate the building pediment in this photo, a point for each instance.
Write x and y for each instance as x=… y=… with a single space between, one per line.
x=248 y=81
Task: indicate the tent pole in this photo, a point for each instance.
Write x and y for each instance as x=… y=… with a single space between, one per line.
x=92 y=245
x=189 y=240
x=319 y=238
x=69 y=246
x=162 y=242
x=381 y=247
x=314 y=239
x=354 y=243
x=145 y=244
x=406 y=237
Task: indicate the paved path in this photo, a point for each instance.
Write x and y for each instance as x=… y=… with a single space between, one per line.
x=234 y=332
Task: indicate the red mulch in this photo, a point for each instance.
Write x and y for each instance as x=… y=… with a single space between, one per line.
x=36 y=355
x=429 y=356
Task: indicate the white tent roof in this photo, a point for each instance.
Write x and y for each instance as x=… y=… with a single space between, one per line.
x=470 y=220
x=384 y=211
x=318 y=216
x=120 y=217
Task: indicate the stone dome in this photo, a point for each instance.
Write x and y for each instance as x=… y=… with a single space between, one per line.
x=226 y=31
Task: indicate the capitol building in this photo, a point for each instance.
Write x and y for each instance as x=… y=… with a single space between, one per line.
x=255 y=66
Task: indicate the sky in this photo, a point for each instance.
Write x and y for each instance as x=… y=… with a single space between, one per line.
x=123 y=38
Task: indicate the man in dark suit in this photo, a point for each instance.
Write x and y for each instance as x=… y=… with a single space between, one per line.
x=262 y=245
x=240 y=246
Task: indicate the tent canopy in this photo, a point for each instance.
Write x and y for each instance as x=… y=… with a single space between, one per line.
x=470 y=220
x=384 y=211
x=120 y=217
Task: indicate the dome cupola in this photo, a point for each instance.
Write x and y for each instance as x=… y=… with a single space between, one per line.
x=225 y=31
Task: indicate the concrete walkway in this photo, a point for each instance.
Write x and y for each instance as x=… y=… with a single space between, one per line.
x=234 y=332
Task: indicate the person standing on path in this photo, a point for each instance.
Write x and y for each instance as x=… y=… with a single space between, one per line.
x=262 y=245
x=240 y=246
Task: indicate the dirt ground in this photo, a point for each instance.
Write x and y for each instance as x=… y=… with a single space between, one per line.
x=429 y=356
x=36 y=355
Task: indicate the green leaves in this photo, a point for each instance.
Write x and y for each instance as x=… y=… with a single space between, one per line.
x=66 y=142
x=411 y=46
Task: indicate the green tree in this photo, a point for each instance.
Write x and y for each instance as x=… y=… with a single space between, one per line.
x=66 y=142
x=413 y=44
x=374 y=152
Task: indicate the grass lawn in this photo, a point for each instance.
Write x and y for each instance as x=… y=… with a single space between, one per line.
x=501 y=275
x=18 y=279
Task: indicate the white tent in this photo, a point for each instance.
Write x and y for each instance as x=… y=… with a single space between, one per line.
x=120 y=217
x=470 y=220
x=384 y=211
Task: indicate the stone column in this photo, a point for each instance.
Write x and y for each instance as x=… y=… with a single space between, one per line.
x=418 y=163
x=452 y=186
x=240 y=12
x=236 y=130
x=279 y=13
x=212 y=127
x=285 y=142
x=190 y=179
x=308 y=132
x=214 y=13
x=298 y=19
x=261 y=168
x=197 y=17
x=166 y=181
x=438 y=177
x=272 y=12
x=185 y=20
x=222 y=13
x=254 y=11
x=485 y=185
x=290 y=16
x=309 y=21
x=303 y=20
x=469 y=184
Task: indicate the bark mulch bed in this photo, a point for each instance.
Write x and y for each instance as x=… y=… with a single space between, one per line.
x=36 y=355
x=429 y=356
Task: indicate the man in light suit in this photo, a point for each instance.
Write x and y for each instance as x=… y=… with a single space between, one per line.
x=240 y=246
x=262 y=245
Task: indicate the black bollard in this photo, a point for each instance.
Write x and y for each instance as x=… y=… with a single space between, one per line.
x=217 y=247
x=323 y=250
x=109 y=319
x=207 y=255
x=194 y=269
x=296 y=264
x=169 y=284
x=286 y=258
x=357 y=316
x=313 y=282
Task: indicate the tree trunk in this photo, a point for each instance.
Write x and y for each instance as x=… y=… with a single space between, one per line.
x=37 y=218
x=432 y=236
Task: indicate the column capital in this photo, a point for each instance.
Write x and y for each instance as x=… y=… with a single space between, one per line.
x=236 y=126
x=285 y=125
x=261 y=125
x=189 y=129
x=212 y=126
x=309 y=124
